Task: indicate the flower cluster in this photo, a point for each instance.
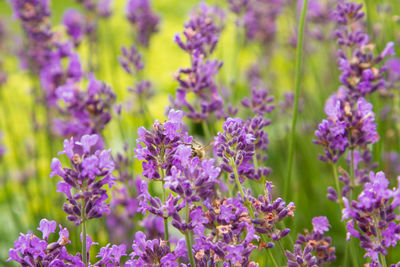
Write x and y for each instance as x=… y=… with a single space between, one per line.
x=348 y=126
x=83 y=111
x=140 y=15
x=372 y=218
x=30 y=250
x=227 y=220
x=357 y=62
x=92 y=169
x=236 y=148
x=202 y=34
x=75 y=24
x=272 y=212
x=155 y=252
x=157 y=148
x=258 y=17
x=317 y=248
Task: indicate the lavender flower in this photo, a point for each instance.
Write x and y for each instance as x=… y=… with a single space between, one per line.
x=92 y=168
x=321 y=246
x=201 y=31
x=141 y=16
x=157 y=148
x=30 y=250
x=154 y=252
x=273 y=212
x=75 y=24
x=236 y=147
x=258 y=17
x=84 y=111
x=202 y=34
x=360 y=75
x=371 y=217
x=227 y=219
x=199 y=80
x=192 y=178
x=348 y=126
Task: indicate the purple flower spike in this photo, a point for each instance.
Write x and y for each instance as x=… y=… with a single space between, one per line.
x=141 y=16
x=92 y=169
x=75 y=24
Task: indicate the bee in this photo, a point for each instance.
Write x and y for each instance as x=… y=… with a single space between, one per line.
x=199 y=150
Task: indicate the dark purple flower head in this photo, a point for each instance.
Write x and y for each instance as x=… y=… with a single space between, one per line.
x=75 y=24
x=142 y=17
x=260 y=102
x=83 y=185
x=201 y=31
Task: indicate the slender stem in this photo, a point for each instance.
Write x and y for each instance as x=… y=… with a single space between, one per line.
x=338 y=190
x=84 y=248
x=352 y=173
x=206 y=130
x=164 y=198
x=239 y=185
x=299 y=55
x=187 y=238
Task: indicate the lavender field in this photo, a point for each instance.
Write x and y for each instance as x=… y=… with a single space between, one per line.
x=199 y=133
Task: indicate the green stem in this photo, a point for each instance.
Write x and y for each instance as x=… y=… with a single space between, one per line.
x=352 y=173
x=299 y=55
x=338 y=190
x=187 y=238
x=164 y=197
x=206 y=130
x=84 y=248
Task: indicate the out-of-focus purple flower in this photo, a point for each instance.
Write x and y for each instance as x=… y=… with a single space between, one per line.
x=75 y=24
x=2 y=148
x=258 y=17
x=82 y=185
x=30 y=250
x=301 y=257
x=199 y=80
x=142 y=17
x=393 y=65
x=360 y=73
x=201 y=31
x=83 y=111
x=131 y=60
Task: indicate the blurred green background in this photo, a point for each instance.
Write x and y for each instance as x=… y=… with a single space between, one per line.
x=26 y=196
